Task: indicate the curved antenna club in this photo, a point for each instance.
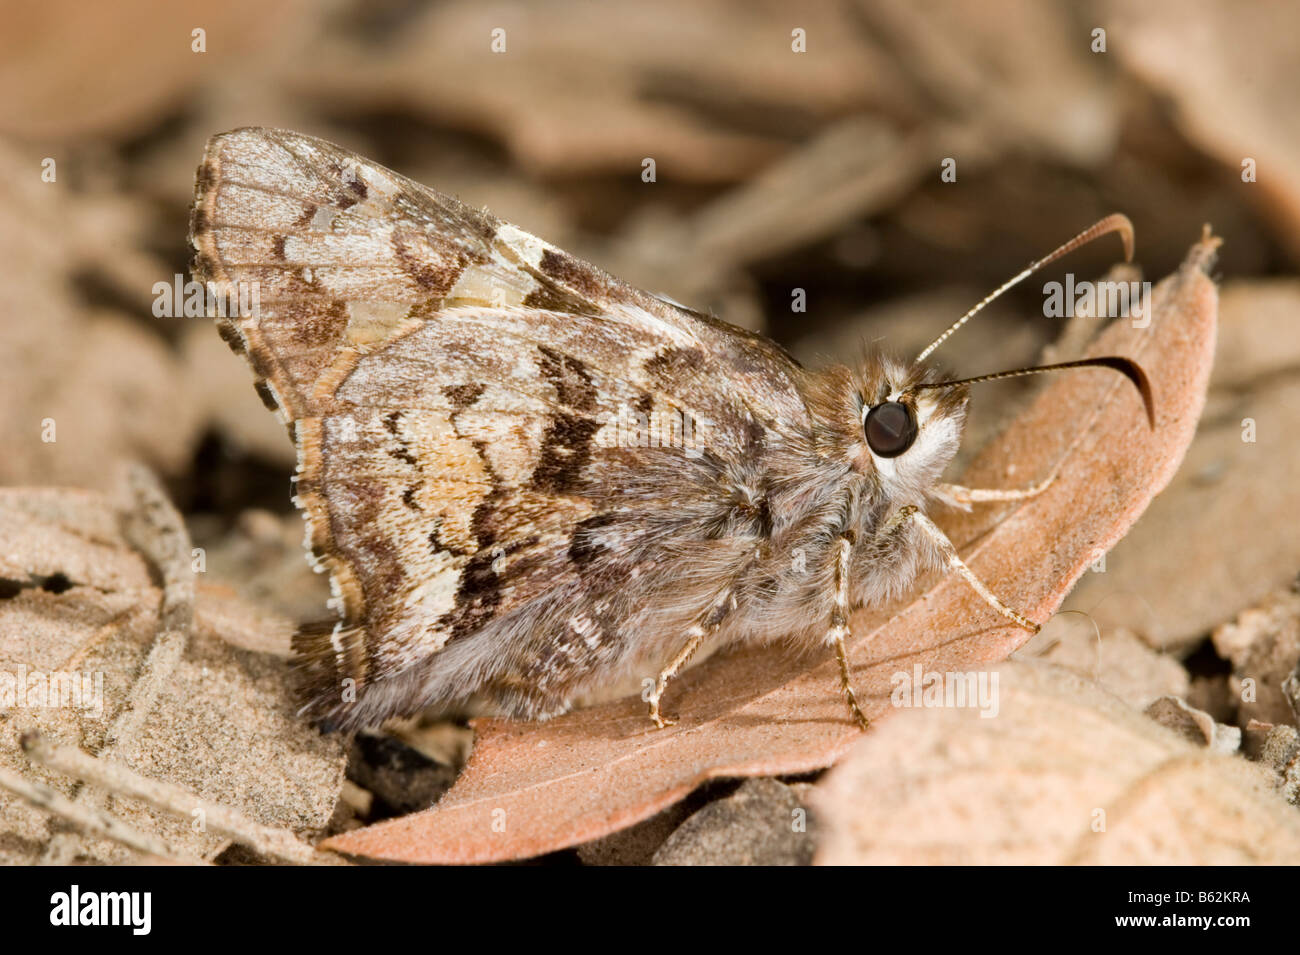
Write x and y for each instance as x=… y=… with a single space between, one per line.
x=1115 y=222
x=1125 y=366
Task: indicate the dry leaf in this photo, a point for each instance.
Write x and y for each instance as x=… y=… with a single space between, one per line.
x=1194 y=725
x=583 y=88
x=80 y=387
x=1119 y=660
x=1230 y=489
x=1245 y=65
x=1065 y=773
x=534 y=788
x=177 y=703
x=260 y=559
x=89 y=88
x=1035 y=87
x=1263 y=644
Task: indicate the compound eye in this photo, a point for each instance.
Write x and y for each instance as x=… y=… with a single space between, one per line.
x=890 y=429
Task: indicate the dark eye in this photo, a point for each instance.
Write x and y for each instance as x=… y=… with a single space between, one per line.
x=890 y=428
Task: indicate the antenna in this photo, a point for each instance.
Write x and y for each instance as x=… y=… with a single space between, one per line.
x=1125 y=366
x=1115 y=222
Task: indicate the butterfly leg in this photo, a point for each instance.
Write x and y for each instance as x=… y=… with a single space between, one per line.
x=954 y=561
x=964 y=497
x=840 y=632
x=696 y=636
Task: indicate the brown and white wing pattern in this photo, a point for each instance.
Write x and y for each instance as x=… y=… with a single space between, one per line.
x=459 y=393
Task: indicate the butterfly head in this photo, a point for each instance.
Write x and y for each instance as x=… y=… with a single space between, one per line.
x=902 y=435
x=910 y=418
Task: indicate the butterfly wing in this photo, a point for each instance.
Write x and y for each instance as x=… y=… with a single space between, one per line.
x=478 y=417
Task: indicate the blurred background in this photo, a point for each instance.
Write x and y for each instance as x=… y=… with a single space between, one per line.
x=794 y=146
